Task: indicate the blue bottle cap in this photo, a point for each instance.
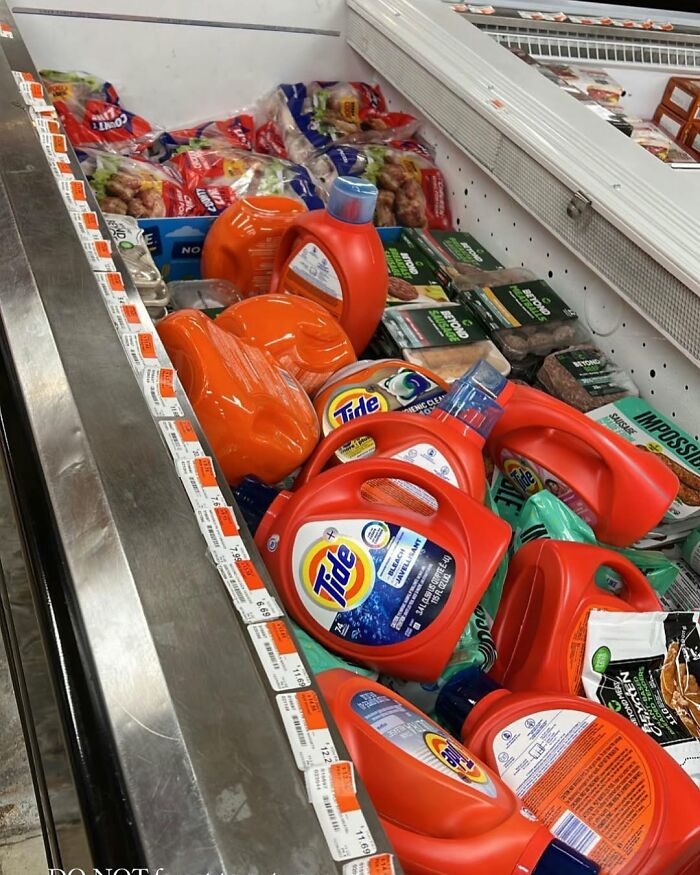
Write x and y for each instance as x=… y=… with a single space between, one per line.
x=459 y=696
x=352 y=200
x=486 y=378
x=254 y=497
x=471 y=406
x=560 y=859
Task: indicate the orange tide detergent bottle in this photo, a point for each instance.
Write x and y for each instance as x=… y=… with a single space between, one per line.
x=381 y=584
x=336 y=258
x=369 y=387
x=598 y=782
x=242 y=243
x=541 y=624
x=256 y=417
x=444 y=812
x=542 y=443
x=448 y=442
x=299 y=334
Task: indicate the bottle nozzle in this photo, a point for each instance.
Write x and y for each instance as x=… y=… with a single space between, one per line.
x=471 y=399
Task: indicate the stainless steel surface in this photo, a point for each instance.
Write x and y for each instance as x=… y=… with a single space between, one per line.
x=163 y=705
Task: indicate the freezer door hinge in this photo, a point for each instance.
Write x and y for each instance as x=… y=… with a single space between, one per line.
x=578 y=205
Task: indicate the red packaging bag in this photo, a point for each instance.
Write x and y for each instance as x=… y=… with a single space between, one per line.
x=236 y=131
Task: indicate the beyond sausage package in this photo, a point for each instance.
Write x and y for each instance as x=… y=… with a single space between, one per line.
x=647 y=667
x=639 y=423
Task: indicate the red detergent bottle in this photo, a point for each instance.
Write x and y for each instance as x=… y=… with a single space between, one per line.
x=335 y=257
x=448 y=442
x=541 y=624
x=381 y=584
x=598 y=782
x=444 y=812
x=542 y=443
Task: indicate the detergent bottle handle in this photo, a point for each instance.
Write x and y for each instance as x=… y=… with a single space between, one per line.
x=378 y=426
x=638 y=592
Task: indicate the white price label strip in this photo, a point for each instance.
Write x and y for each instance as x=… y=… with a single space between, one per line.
x=199 y=479
x=307 y=730
x=55 y=146
x=43 y=122
x=112 y=287
x=75 y=196
x=382 y=864
x=282 y=664
x=61 y=168
x=256 y=604
x=218 y=525
x=6 y=31
x=125 y=317
x=332 y=793
x=87 y=225
x=99 y=253
x=158 y=385
x=32 y=91
x=181 y=439
x=140 y=349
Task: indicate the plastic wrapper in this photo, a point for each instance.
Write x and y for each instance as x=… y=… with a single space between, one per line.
x=412 y=190
x=585 y=378
x=596 y=83
x=308 y=118
x=655 y=140
x=132 y=187
x=236 y=131
x=543 y=515
x=91 y=114
x=208 y=295
x=215 y=177
x=129 y=240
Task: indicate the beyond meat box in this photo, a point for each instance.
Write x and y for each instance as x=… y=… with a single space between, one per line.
x=412 y=278
x=642 y=425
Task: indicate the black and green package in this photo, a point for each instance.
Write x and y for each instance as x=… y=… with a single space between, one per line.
x=412 y=277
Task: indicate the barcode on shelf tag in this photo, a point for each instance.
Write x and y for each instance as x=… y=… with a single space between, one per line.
x=6 y=31
x=281 y=662
x=381 y=864
x=181 y=439
x=55 y=145
x=140 y=350
x=20 y=76
x=112 y=286
x=99 y=254
x=32 y=93
x=125 y=316
x=307 y=730
x=87 y=225
x=218 y=525
x=254 y=605
x=332 y=793
x=158 y=386
x=199 y=479
x=75 y=195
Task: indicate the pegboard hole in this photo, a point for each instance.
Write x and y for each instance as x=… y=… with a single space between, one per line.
x=458 y=221
x=644 y=343
x=651 y=391
x=673 y=414
x=664 y=364
x=506 y=249
x=550 y=274
x=466 y=192
x=652 y=373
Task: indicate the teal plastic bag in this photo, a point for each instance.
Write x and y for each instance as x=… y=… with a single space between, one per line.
x=545 y=516
x=320 y=659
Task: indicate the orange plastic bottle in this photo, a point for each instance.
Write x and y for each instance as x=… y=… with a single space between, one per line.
x=381 y=584
x=541 y=624
x=299 y=334
x=448 y=442
x=444 y=812
x=598 y=782
x=542 y=443
x=256 y=417
x=242 y=243
x=335 y=257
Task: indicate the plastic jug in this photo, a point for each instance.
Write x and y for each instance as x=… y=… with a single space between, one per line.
x=597 y=781
x=256 y=417
x=299 y=334
x=381 y=584
x=542 y=443
x=541 y=624
x=442 y=810
x=448 y=442
x=242 y=243
x=335 y=257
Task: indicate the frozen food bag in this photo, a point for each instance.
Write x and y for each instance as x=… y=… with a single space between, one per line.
x=647 y=667
x=236 y=131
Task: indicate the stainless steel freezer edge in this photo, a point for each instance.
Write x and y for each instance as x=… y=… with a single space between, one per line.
x=170 y=730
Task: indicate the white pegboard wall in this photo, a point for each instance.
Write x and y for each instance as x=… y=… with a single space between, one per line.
x=665 y=377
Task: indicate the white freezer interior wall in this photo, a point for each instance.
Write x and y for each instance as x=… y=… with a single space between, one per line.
x=176 y=73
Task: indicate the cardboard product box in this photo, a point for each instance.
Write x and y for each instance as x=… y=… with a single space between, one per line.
x=412 y=278
x=682 y=97
x=176 y=245
x=669 y=121
x=692 y=139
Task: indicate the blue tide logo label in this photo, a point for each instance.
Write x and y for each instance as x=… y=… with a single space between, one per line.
x=354 y=403
x=455 y=757
x=337 y=574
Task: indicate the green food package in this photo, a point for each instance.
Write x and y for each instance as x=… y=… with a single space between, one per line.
x=543 y=515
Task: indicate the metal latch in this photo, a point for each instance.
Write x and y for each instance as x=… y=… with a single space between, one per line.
x=578 y=205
